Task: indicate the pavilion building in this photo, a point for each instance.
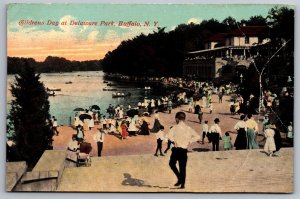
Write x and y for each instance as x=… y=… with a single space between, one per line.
x=225 y=55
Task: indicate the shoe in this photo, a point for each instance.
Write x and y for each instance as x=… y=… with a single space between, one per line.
x=162 y=155
x=177 y=183
x=182 y=187
x=155 y=155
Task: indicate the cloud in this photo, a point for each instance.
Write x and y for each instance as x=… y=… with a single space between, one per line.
x=111 y=35
x=71 y=42
x=194 y=20
x=92 y=36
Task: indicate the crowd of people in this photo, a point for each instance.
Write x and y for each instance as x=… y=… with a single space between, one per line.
x=128 y=121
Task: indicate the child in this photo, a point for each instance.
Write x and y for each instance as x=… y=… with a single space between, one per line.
x=104 y=123
x=112 y=129
x=190 y=106
x=227 y=141
x=270 y=146
x=169 y=142
x=124 y=130
x=205 y=131
x=80 y=133
x=160 y=136
x=200 y=115
x=210 y=108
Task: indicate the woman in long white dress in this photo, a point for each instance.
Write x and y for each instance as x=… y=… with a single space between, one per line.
x=204 y=101
x=270 y=146
x=132 y=129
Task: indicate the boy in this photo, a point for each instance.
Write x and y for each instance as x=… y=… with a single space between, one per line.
x=205 y=131
x=160 y=136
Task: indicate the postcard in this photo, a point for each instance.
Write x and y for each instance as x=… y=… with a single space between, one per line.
x=150 y=98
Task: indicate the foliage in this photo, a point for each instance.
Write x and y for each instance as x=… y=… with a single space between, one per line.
x=52 y=64
x=162 y=53
x=29 y=116
x=257 y=20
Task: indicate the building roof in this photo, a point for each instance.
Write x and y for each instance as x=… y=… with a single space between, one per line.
x=249 y=31
x=220 y=37
x=219 y=48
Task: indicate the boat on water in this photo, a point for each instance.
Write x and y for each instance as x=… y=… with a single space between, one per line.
x=109 y=89
x=116 y=95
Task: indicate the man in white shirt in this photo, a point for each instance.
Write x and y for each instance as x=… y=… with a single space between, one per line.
x=99 y=139
x=215 y=134
x=182 y=135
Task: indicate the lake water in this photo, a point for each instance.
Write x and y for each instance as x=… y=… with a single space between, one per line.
x=85 y=90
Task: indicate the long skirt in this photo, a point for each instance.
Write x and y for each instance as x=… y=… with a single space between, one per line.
x=241 y=140
x=197 y=108
x=277 y=139
x=251 y=137
x=270 y=145
x=156 y=126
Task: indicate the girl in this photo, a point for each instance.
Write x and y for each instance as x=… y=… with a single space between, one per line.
x=124 y=130
x=270 y=146
x=227 y=141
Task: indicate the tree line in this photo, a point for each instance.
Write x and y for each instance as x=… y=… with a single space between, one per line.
x=162 y=53
x=52 y=65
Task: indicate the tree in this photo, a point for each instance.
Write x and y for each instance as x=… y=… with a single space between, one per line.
x=257 y=20
x=229 y=21
x=283 y=22
x=29 y=116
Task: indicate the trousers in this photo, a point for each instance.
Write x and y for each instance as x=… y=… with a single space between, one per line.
x=159 y=144
x=100 y=147
x=215 y=137
x=179 y=155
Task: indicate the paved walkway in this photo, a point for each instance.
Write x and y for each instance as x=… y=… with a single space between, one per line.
x=223 y=171
x=129 y=165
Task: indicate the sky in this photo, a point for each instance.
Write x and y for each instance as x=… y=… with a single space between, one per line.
x=41 y=30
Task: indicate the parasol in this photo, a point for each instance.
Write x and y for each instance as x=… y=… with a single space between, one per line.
x=85 y=116
x=95 y=107
x=132 y=112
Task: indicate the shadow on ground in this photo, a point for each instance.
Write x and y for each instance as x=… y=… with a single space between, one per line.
x=129 y=181
x=201 y=149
